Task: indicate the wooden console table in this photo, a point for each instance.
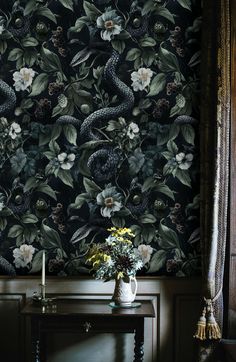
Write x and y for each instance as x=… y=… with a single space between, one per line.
x=84 y=316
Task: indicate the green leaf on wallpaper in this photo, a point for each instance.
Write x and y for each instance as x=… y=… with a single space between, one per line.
x=30 y=56
x=51 y=60
x=188 y=133
x=54 y=147
x=148 y=184
x=148 y=56
x=79 y=201
x=90 y=145
x=158 y=261
x=3 y=46
x=165 y=13
x=65 y=177
x=82 y=56
x=50 y=237
x=148 y=233
x=118 y=222
x=118 y=45
x=46 y=189
x=147 y=219
x=133 y=54
x=136 y=161
x=172 y=147
x=68 y=4
x=70 y=133
x=91 y=11
x=185 y=4
x=29 y=218
x=39 y=84
x=3 y=223
x=148 y=7
x=167 y=60
x=6 y=212
x=79 y=24
x=164 y=189
x=29 y=42
x=91 y=187
x=157 y=85
x=183 y=177
x=37 y=262
x=147 y=41
x=47 y=13
x=168 y=237
x=15 y=231
x=56 y=131
x=15 y=54
x=18 y=161
x=30 y=7
x=30 y=232
x=82 y=233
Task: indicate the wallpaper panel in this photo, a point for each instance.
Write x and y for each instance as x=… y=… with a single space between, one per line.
x=99 y=127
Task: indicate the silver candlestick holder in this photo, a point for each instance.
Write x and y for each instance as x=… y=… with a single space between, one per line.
x=40 y=299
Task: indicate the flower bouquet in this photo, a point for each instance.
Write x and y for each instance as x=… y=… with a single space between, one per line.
x=117 y=258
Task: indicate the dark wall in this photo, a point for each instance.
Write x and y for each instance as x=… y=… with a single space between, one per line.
x=100 y=130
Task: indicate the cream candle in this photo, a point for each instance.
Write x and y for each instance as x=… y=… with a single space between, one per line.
x=43 y=268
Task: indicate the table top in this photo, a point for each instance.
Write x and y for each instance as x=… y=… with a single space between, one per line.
x=82 y=307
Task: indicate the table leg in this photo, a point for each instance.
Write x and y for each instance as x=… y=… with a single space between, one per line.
x=35 y=340
x=139 y=342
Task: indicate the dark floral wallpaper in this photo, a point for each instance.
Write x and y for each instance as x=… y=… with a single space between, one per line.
x=99 y=112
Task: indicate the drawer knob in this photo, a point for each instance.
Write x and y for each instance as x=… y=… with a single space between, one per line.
x=87 y=326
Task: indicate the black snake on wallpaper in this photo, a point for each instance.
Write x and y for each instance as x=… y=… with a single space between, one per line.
x=103 y=162
x=18 y=27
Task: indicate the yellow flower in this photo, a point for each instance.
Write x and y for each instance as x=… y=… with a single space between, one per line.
x=116 y=232
x=106 y=258
x=120 y=275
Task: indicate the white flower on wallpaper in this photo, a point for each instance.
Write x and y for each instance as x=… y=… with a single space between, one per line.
x=110 y=201
x=141 y=79
x=133 y=130
x=110 y=22
x=145 y=252
x=23 y=255
x=14 y=130
x=66 y=161
x=184 y=161
x=23 y=79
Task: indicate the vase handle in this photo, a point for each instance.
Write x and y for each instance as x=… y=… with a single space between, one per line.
x=135 y=285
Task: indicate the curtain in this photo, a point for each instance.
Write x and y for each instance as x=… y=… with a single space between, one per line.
x=214 y=135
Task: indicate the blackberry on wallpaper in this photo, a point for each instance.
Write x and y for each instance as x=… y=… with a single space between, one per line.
x=99 y=127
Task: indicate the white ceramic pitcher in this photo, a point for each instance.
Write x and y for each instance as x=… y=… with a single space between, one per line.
x=123 y=294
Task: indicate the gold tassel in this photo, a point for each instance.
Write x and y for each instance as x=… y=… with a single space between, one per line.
x=201 y=327
x=212 y=328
